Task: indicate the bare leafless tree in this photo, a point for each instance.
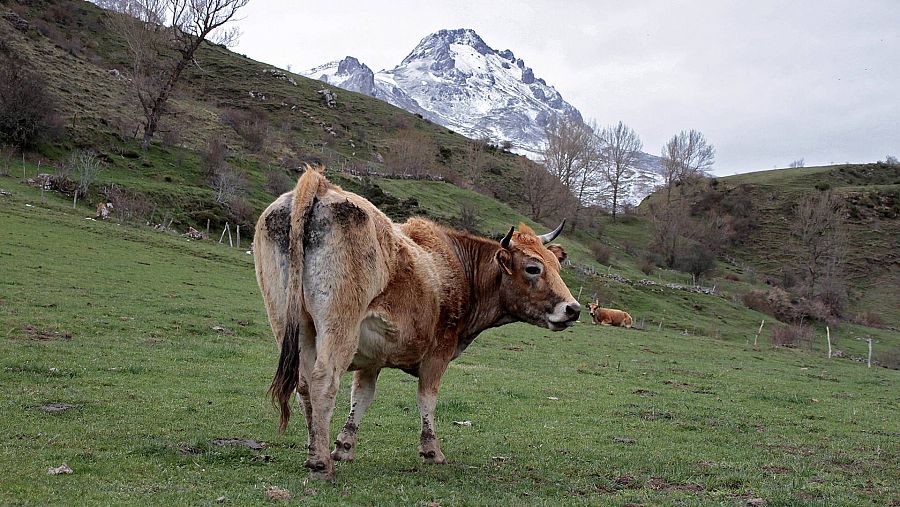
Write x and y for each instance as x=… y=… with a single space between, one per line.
x=819 y=240
x=686 y=156
x=85 y=166
x=671 y=226
x=571 y=155
x=162 y=37
x=411 y=153
x=619 y=150
x=545 y=195
x=797 y=163
x=474 y=158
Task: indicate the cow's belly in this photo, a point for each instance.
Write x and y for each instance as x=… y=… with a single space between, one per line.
x=382 y=345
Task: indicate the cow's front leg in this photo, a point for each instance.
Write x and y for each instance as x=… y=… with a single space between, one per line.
x=361 y=396
x=429 y=384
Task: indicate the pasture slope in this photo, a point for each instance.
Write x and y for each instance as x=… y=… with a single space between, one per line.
x=160 y=346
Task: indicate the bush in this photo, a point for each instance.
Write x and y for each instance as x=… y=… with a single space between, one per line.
x=646 y=266
x=27 y=111
x=868 y=318
x=240 y=211
x=277 y=182
x=85 y=166
x=601 y=253
x=732 y=277
x=252 y=126
x=696 y=260
x=792 y=336
x=756 y=300
x=629 y=247
x=780 y=305
x=228 y=184
x=128 y=206
x=467 y=219
x=213 y=155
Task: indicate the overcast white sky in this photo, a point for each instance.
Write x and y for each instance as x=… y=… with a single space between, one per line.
x=767 y=82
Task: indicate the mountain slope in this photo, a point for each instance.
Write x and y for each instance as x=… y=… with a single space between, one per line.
x=454 y=78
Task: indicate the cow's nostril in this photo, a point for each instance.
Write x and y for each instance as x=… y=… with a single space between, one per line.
x=573 y=309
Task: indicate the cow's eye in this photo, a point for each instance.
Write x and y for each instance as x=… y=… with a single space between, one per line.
x=533 y=270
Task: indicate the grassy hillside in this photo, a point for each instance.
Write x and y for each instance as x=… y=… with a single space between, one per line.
x=871 y=195
x=160 y=346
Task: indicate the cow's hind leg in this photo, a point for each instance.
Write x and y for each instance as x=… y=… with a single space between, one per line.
x=361 y=396
x=429 y=385
x=335 y=348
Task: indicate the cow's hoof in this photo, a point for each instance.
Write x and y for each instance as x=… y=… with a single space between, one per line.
x=433 y=457
x=320 y=470
x=343 y=451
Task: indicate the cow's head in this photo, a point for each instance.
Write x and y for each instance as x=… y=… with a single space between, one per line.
x=593 y=307
x=531 y=288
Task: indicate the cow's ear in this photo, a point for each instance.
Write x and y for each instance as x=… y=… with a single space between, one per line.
x=558 y=251
x=504 y=259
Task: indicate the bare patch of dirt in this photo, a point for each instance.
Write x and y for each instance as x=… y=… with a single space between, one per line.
x=252 y=444
x=776 y=469
x=56 y=407
x=643 y=392
x=277 y=494
x=187 y=450
x=626 y=482
x=660 y=484
x=514 y=348
x=33 y=333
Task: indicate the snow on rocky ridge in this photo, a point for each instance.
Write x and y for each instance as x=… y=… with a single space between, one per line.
x=453 y=78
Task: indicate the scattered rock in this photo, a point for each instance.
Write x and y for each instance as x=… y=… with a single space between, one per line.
x=62 y=469
x=462 y=423
x=5 y=192
x=756 y=502
x=18 y=22
x=552 y=398
x=56 y=407
x=329 y=96
x=643 y=392
x=623 y=440
x=276 y=493
x=252 y=444
x=194 y=234
x=221 y=499
x=223 y=330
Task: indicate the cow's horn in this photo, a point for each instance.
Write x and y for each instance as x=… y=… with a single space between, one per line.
x=550 y=236
x=505 y=241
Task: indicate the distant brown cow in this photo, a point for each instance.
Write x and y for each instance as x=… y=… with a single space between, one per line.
x=609 y=316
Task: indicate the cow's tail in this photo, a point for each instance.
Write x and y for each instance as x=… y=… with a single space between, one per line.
x=287 y=377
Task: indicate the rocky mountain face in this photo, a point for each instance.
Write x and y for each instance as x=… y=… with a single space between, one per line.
x=453 y=78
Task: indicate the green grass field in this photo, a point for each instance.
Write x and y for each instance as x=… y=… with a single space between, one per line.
x=120 y=323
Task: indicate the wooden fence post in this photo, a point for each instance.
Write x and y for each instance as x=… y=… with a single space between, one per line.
x=869 y=362
x=230 y=243
x=238 y=236
x=828 y=337
x=223 y=234
x=756 y=339
x=207 y=227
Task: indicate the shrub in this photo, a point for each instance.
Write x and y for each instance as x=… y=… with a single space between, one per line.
x=128 y=206
x=629 y=247
x=467 y=219
x=213 y=155
x=85 y=166
x=756 y=300
x=732 y=277
x=868 y=318
x=696 y=260
x=228 y=184
x=792 y=336
x=240 y=211
x=601 y=253
x=780 y=305
x=277 y=182
x=252 y=126
x=646 y=266
x=27 y=111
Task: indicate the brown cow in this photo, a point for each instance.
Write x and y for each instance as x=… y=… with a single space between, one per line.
x=609 y=316
x=347 y=289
